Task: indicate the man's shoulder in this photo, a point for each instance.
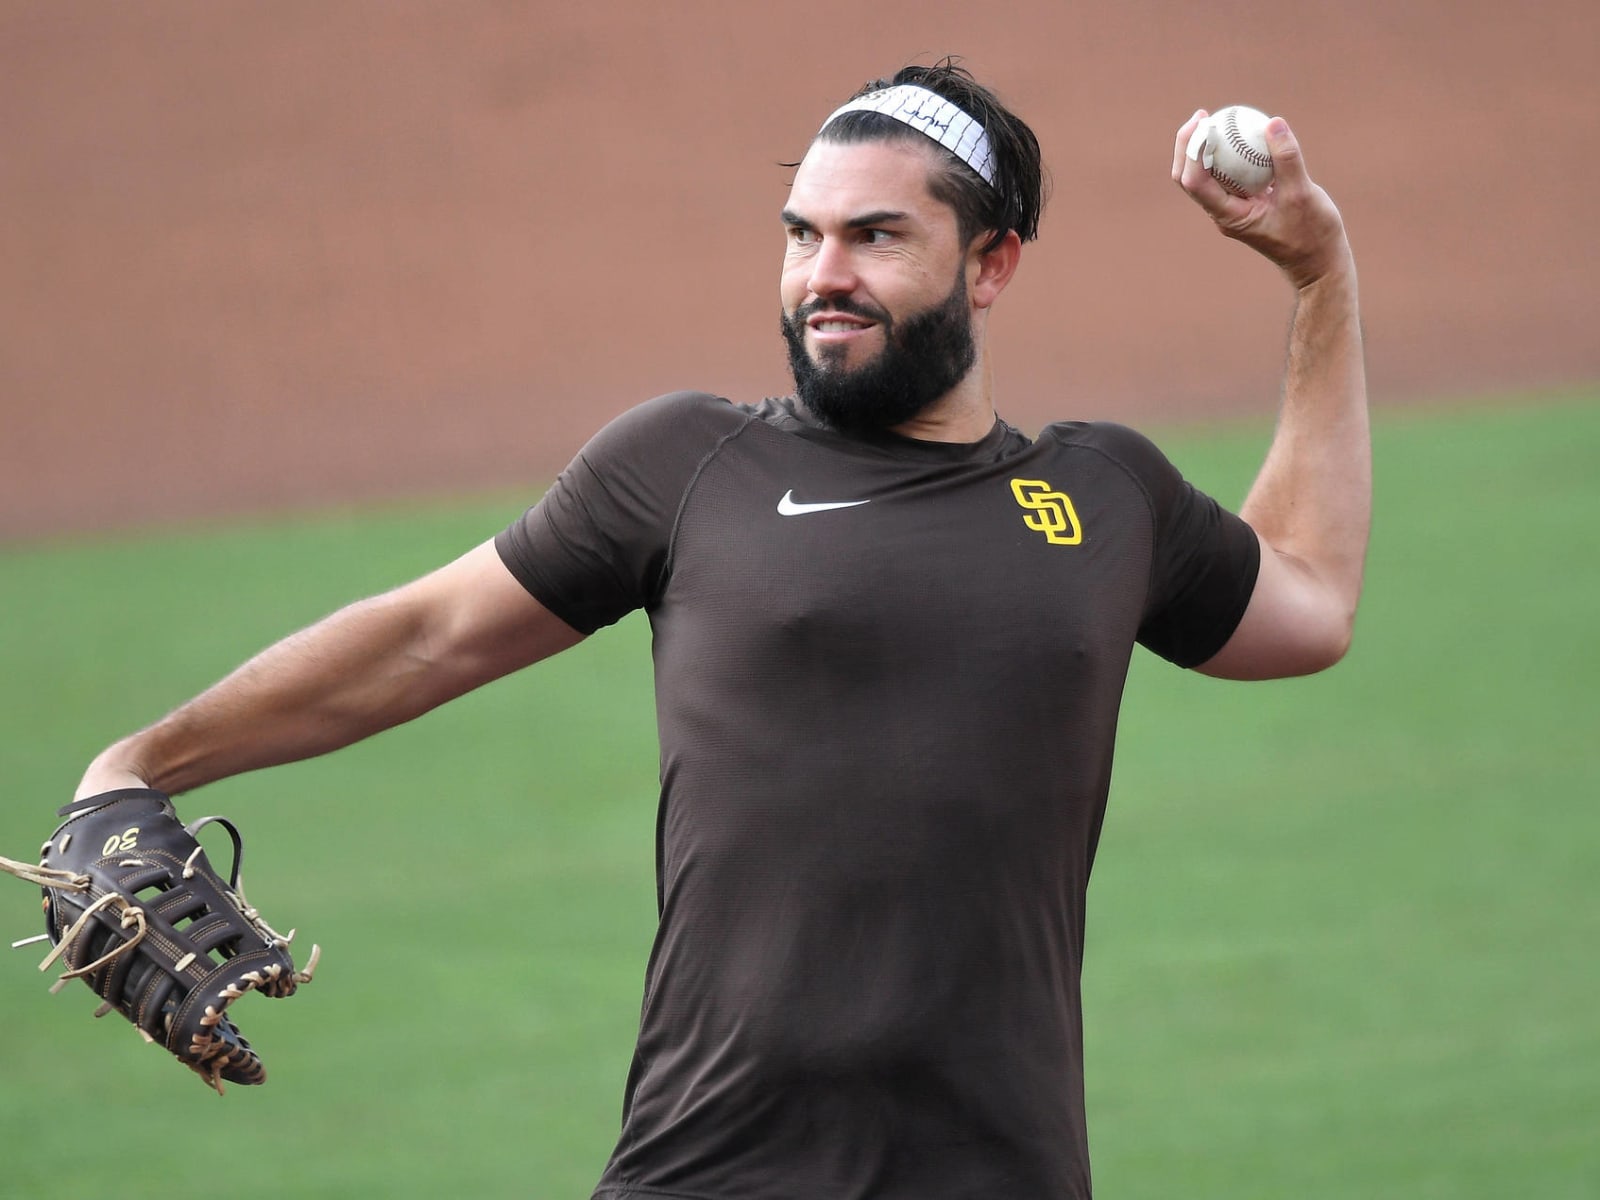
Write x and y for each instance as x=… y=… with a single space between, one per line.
x=1127 y=452
x=1106 y=436
x=692 y=408
x=676 y=421
x=1123 y=445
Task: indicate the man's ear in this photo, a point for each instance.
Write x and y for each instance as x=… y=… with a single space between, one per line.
x=995 y=267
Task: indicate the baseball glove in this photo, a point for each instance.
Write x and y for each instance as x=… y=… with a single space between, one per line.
x=134 y=909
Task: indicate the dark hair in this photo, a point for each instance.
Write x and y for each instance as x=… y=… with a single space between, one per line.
x=1013 y=201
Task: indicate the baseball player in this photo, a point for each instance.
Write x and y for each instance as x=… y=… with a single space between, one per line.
x=891 y=636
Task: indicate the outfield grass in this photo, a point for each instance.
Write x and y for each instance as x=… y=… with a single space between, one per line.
x=1342 y=929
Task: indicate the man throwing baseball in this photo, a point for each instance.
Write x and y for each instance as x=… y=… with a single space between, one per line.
x=891 y=637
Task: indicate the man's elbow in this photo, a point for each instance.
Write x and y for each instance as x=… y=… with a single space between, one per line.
x=1330 y=646
x=1284 y=649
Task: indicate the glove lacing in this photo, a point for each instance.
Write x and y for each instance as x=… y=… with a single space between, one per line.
x=131 y=916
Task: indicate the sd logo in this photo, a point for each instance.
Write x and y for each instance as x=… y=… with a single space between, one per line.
x=1048 y=511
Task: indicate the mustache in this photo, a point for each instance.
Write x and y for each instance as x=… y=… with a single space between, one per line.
x=842 y=305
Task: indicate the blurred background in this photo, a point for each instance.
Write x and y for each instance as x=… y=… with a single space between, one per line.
x=300 y=299
x=283 y=254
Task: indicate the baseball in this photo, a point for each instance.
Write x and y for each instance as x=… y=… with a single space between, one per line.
x=1232 y=144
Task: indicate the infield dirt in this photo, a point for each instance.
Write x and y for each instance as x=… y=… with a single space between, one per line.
x=279 y=255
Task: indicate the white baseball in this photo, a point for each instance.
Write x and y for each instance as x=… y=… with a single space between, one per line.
x=1232 y=144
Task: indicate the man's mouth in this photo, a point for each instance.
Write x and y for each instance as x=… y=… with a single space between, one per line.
x=840 y=326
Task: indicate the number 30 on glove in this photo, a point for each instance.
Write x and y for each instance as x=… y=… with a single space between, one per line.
x=133 y=908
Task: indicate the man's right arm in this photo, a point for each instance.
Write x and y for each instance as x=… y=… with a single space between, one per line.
x=368 y=667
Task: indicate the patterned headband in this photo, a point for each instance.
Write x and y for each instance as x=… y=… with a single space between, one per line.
x=930 y=113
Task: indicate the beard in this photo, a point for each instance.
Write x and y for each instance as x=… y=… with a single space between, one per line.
x=923 y=357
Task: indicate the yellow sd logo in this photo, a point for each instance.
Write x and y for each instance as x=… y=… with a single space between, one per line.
x=1049 y=512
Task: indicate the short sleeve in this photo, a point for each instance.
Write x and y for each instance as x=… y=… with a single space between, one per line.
x=1205 y=570
x=597 y=546
x=1204 y=560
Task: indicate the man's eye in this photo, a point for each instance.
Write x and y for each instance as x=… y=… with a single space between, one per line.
x=877 y=237
x=802 y=237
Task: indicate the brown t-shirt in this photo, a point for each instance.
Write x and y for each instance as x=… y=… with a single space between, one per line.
x=887 y=679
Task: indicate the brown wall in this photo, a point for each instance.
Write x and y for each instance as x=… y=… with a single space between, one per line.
x=259 y=254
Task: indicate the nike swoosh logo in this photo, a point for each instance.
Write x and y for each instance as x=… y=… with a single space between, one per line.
x=790 y=507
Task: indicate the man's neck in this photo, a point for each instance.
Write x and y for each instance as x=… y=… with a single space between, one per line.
x=963 y=414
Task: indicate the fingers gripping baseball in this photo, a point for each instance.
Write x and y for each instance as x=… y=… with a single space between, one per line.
x=1292 y=222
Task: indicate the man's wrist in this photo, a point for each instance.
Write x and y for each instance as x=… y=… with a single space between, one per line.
x=1335 y=267
x=110 y=771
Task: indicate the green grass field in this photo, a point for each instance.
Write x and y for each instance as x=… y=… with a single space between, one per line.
x=1343 y=930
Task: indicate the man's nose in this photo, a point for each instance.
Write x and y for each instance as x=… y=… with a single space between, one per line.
x=833 y=269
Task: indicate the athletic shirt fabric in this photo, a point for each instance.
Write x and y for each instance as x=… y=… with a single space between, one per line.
x=886 y=739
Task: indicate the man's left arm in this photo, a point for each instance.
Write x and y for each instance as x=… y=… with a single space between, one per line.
x=1311 y=503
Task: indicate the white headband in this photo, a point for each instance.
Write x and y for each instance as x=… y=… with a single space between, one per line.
x=930 y=113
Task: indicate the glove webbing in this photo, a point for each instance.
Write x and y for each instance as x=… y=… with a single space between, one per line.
x=131 y=916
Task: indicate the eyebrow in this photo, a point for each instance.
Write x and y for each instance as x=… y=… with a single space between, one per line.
x=882 y=216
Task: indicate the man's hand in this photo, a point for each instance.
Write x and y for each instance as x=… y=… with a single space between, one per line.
x=105 y=775
x=1293 y=223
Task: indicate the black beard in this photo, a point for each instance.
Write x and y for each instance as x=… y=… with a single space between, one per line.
x=922 y=358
